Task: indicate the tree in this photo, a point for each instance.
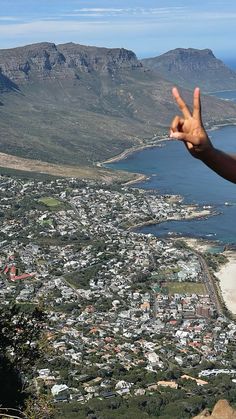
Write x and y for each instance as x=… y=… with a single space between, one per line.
x=20 y=335
x=41 y=407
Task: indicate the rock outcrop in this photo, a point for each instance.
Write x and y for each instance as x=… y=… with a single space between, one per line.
x=192 y=67
x=222 y=410
x=47 y=60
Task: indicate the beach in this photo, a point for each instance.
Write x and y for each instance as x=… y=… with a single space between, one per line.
x=199 y=245
x=170 y=170
x=126 y=153
x=227 y=273
x=227 y=278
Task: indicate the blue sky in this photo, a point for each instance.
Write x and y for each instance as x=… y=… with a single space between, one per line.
x=148 y=27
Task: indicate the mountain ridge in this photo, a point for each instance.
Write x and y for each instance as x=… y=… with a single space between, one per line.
x=76 y=105
x=191 y=67
x=45 y=60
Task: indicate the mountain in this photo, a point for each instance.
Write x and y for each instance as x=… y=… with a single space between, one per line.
x=76 y=105
x=46 y=60
x=193 y=67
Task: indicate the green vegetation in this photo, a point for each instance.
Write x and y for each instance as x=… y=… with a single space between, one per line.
x=181 y=244
x=215 y=260
x=48 y=222
x=50 y=202
x=20 y=352
x=186 y=288
x=163 y=404
x=23 y=174
x=82 y=278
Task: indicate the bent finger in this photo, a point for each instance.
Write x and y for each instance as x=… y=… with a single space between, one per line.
x=177 y=123
x=184 y=137
x=180 y=102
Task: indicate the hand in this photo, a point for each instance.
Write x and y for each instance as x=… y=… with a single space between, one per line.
x=189 y=127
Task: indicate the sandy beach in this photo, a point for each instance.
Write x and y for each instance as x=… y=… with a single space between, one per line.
x=140 y=178
x=227 y=278
x=227 y=273
x=200 y=245
x=158 y=143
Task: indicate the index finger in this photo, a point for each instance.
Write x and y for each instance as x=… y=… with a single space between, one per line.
x=180 y=102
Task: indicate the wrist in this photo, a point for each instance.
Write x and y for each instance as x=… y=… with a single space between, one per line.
x=204 y=151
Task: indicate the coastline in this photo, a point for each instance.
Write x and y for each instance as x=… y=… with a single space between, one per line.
x=201 y=245
x=219 y=91
x=218 y=126
x=139 y=178
x=226 y=276
x=227 y=273
x=132 y=150
x=196 y=214
x=157 y=143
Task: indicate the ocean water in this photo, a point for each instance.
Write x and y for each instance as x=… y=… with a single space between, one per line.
x=226 y=95
x=230 y=62
x=172 y=170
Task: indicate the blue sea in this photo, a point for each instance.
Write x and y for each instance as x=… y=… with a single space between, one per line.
x=226 y=95
x=171 y=170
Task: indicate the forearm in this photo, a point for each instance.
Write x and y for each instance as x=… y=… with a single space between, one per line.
x=222 y=163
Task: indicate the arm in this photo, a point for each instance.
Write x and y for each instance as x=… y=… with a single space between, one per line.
x=189 y=129
x=222 y=163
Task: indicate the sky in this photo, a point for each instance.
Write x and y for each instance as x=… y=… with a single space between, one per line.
x=148 y=27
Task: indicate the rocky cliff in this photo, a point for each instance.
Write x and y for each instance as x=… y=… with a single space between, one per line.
x=47 y=60
x=222 y=410
x=192 y=67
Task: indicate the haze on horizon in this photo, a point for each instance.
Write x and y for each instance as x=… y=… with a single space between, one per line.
x=147 y=28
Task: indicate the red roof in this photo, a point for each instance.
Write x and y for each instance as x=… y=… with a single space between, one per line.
x=24 y=276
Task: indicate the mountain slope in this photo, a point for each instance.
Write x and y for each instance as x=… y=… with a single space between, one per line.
x=192 y=67
x=76 y=105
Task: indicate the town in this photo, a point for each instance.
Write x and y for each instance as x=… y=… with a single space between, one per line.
x=120 y=305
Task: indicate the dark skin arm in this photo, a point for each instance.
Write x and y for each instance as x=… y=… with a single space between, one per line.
x=189 y=129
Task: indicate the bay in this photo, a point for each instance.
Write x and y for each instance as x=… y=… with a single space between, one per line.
x=226 y=95
x=172 y=170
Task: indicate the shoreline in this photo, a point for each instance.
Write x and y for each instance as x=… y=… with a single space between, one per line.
x=226 y=276
x=219 y=91
x=140 y=178
x=124 y=154
x=131 y=150
x=227 y=273
x=196 y=214
x=199 y=244
x=218 y=126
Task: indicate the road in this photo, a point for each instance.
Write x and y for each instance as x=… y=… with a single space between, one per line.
x=209 y=284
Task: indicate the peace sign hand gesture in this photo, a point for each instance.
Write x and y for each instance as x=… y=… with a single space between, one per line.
x=189 y=127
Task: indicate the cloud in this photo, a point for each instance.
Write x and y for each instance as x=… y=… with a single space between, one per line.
x=8 y=18
x=99 y=10
x=121 y=34
x=49 y=27
x=217 y=15
x=132 y=15
x=136 y=11
x=143 y=29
